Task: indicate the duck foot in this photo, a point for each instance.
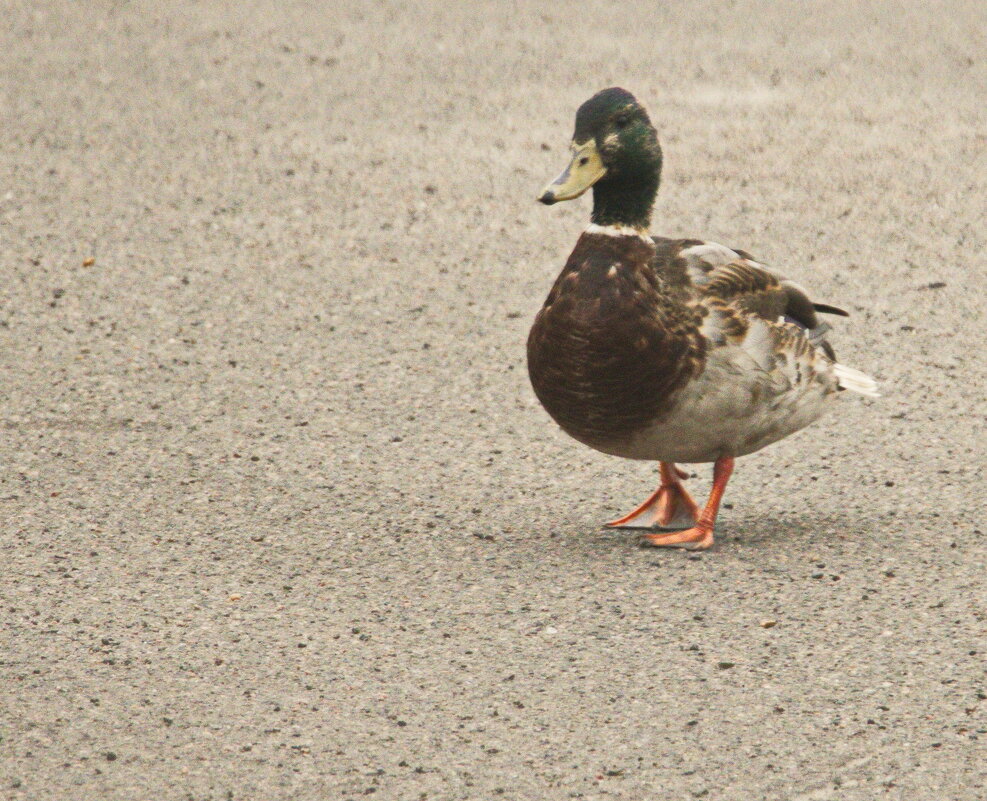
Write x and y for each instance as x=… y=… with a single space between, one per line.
x=700 y=536
x=670 y=506
x=697 y=538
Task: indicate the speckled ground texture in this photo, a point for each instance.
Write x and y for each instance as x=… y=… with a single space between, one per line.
x=281 y=517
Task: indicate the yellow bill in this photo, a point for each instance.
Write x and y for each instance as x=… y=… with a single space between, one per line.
x=585 y=169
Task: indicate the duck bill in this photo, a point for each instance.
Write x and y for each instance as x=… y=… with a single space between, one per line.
x=585 y=169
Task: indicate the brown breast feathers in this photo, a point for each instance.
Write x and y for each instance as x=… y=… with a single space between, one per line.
x=611 y=345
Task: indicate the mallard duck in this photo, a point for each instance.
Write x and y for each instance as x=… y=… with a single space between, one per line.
x=672 y=350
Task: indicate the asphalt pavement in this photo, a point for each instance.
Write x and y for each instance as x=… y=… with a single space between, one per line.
x=281 y=516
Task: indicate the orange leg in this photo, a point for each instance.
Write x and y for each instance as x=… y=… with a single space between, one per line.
x=670 y=505
x=700 y=536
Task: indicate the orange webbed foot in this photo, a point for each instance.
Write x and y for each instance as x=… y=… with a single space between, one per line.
x=697 y=538
x=670 y=506
x=700 y=536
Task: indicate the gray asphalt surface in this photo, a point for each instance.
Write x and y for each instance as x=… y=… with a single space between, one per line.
x=281 y=517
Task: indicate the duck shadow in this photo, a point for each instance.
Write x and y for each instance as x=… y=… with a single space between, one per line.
x=753 y=533
x=770 y=532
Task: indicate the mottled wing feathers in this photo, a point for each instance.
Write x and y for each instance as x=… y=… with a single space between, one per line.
x=741 y=279
x=770 y=318
x=736 y=289
x=749 y=289
x=780 y=318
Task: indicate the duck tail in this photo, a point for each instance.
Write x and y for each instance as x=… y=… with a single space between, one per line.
x=856 y=381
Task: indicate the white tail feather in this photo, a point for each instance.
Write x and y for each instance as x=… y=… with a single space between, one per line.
x=856 y=381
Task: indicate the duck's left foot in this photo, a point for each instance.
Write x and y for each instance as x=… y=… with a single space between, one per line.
x=697 y=538
x=670 y=506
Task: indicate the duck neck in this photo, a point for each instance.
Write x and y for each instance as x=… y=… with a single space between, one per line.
x=625 y=203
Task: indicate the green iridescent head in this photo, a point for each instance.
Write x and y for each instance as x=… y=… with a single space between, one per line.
x=615 y=150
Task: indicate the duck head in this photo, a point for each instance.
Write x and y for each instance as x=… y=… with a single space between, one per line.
x=615 y=151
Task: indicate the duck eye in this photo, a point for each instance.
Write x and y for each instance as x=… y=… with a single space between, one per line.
x=584 y=161
x=621 y=121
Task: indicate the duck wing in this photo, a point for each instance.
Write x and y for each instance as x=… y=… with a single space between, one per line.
x=745 y=303
x=702 y=269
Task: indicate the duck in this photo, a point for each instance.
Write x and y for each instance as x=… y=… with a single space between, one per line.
x=675 y=350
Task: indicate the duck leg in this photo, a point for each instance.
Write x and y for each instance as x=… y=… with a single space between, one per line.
x=670 y=506
x=700 y=536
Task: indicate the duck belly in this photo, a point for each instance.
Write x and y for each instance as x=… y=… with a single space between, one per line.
x=729 y=410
